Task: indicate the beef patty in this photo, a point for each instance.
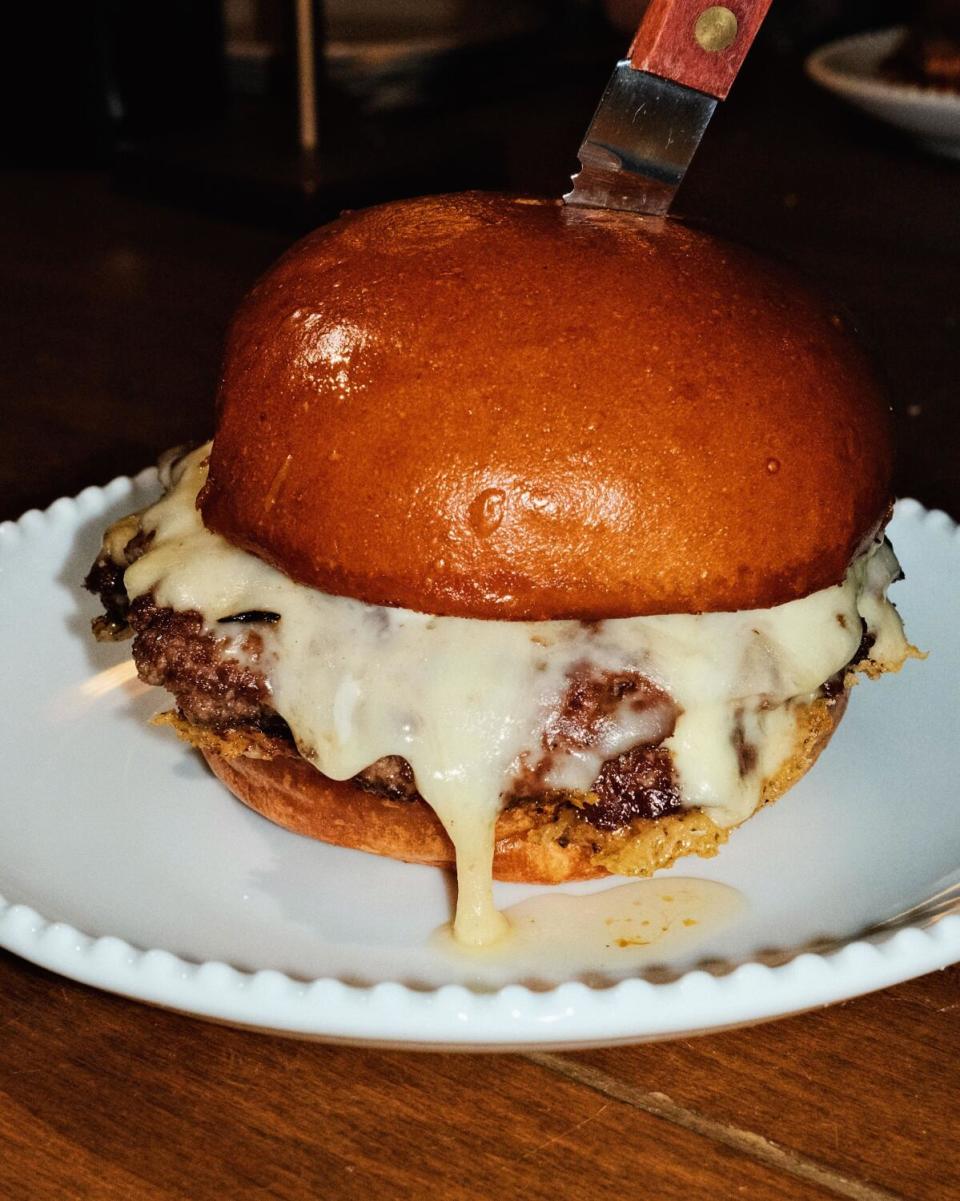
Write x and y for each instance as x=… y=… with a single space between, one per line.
x=220 y=686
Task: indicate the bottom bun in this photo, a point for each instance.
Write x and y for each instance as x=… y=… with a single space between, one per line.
x=536 y=843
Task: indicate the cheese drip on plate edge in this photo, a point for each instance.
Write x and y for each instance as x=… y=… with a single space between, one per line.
x=466 y=701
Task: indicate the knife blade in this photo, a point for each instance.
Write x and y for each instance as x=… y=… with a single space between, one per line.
x=659 y=101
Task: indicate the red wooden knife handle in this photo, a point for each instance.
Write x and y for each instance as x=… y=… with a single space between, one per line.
x=695 y=43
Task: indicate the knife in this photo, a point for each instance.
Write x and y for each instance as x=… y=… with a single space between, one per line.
x=659 y=101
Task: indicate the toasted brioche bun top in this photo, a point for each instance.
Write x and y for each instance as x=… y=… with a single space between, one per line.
x=497 y=407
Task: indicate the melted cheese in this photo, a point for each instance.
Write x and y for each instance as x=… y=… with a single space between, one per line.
x=466 y=702
x=558 y=936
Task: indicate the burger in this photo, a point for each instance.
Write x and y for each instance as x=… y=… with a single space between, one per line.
x=541 y=542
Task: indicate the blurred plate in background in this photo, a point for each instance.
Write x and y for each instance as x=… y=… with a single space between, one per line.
x=850 y=68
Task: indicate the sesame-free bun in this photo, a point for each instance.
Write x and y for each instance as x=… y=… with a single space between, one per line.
x=498 y=407
x=533 y=844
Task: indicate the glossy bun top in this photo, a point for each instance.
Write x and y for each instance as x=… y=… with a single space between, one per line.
x=497 y=407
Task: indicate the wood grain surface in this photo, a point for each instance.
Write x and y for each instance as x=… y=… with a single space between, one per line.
x=870 y=1088
x=127 y=1101
x=111 y=354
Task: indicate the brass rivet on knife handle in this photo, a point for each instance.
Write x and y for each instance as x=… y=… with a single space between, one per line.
x=697 y=45
x=716 y=28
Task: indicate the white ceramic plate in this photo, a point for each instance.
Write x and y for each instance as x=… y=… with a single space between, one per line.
x=850 y=68
x=125 y=865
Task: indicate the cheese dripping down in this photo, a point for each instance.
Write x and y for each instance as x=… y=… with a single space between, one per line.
x=466 y=701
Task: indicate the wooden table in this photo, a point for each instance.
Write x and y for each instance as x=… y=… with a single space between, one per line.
x=112 y=347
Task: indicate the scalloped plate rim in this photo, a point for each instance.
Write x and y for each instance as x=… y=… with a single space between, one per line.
x=570 y=1015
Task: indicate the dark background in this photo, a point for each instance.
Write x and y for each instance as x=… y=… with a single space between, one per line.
x=152 y=172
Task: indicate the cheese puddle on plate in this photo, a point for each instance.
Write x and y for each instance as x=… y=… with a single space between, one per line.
x=617 y=931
